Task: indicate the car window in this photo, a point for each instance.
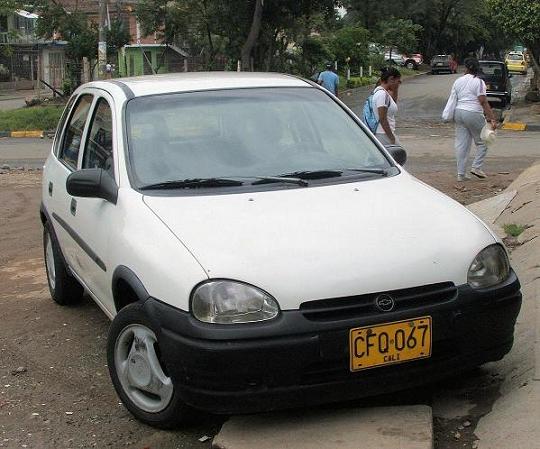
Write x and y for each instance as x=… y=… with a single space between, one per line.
x=98 y=151
x=72 y=139
x=515 y=57
x=441 y=59
x=492 y=70
x=61 y=123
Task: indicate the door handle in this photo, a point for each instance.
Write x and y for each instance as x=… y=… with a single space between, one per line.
x=50 y=188
x=73 y=206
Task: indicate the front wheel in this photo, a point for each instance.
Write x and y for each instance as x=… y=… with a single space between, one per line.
x=138 y=373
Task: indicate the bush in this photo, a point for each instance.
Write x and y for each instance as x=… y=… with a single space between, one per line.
x=32 y=118
x=357 y=81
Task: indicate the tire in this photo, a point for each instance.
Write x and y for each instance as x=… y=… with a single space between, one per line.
x=411 y=65
x=433 y=72
x=64 y=288
x=165 y=410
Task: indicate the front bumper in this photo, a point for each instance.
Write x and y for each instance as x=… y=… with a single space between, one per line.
x=293 y=361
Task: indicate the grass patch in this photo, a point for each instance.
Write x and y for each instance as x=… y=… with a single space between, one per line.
x=37 y=117
x=514 y=229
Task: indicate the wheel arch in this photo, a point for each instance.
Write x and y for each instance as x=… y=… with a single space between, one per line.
x=127 y=288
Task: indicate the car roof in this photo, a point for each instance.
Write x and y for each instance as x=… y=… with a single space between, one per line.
x=197 y=81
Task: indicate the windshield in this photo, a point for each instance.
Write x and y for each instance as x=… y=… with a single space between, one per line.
x=241 y=133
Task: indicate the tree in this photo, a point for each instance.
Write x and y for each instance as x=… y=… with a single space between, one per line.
x=117 y=36
x=8 y=6
x=521 y=18
x=315 y=53
x=80 y=34
x=400 y=34
x=350 y=45
x=253 y=35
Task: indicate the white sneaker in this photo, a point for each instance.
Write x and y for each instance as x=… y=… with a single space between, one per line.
x=478 y=172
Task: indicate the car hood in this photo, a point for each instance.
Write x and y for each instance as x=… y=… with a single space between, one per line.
x=303 y=244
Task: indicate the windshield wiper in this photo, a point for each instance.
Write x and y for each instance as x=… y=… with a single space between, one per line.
x=377 y=171
x=193 y=183
x=314 y=174
x=268 y=179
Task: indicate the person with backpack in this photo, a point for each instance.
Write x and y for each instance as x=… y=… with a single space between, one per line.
x=380 y=108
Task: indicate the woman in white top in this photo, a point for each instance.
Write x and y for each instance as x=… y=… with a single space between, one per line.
x=385 y=106
x=472 y=109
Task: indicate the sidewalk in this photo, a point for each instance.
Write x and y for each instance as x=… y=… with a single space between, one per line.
x=514 y=418
x=14 y=99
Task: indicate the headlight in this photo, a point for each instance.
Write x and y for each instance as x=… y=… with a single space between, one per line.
x=231 y=302
x=490 y=267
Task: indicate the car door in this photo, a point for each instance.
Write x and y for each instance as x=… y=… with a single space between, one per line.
x=64 y=162
x=96 y=218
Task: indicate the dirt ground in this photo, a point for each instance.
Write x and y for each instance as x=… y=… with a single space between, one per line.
x=55 y=390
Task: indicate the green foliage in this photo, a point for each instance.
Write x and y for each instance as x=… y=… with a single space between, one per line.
x=315 y=53
x=8 y=6
x=80 y=34
x=357 y=81
x=67 y=86
x=398 y=34
x=350 y=46
x=521 y=19
x=514 y=229
x=117 y=36
x=38 y=117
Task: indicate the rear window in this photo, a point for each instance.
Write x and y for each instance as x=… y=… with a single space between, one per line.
x=492 y=69
x=440 y=59
x=515 y=57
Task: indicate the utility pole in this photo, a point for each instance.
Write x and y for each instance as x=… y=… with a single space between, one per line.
x=102 y=44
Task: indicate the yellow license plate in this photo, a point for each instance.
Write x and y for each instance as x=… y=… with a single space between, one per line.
x=390 y=343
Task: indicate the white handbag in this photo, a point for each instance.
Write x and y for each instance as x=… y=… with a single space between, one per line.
x=450 y=108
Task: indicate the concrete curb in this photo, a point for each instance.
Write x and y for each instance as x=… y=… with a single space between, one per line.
x=35 y=133
x=403 y=427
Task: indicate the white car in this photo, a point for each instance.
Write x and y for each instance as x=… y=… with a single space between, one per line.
x=257 y=248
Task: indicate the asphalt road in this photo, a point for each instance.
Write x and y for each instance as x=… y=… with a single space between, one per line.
x=422 y=97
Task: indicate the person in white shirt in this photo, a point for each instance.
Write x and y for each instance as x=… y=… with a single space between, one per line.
x=472 y=110
x=385 y=107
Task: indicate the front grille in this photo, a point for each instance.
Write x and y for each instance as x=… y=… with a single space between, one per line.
x=364 y=305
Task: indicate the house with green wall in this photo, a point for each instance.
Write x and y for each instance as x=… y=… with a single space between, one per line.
x=149 y=59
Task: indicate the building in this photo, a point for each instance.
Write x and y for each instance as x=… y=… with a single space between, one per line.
x=24 y=58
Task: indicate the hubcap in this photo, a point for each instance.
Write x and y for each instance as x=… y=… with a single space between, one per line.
x=49 y=262
x=139 y=369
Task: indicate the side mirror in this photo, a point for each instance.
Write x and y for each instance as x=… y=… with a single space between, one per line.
x=92 y=183
x=398 y=153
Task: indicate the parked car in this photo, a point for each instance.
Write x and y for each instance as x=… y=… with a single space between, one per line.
x=498 y=84
x=443 y=63
x=413 y=61
x=252 y=256
x=394 y=58
x=515 y=62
